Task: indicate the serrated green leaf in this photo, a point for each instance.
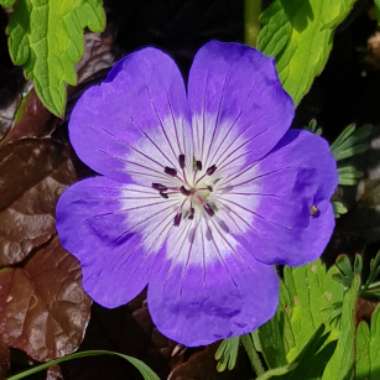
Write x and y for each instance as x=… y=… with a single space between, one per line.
x=341 y=365
x=345 y=274
x=146 y=372
x=363 y=361
x=311 y=293
x=368 y=348
x=227 y=353
x=7 y=3
x=309 y=363
x=46 y=37
x=299 y=34
x=374 y=269
x=309 y=298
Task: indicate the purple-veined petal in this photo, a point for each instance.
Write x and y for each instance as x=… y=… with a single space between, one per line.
x=209 y=288
x=92 y=225
x=143 y=99
x=293 y=218
x=239 y=109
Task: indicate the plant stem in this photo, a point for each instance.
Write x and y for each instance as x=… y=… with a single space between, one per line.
x=252 y=11
x=253 y=356
x=144 y=370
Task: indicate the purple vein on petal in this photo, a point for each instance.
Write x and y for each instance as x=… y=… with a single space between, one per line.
x=175 y=155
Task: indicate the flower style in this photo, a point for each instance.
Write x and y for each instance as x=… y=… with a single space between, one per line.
x=202 y=191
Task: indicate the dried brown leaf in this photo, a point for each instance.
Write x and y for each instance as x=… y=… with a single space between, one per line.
x=43 y=309
x=5 y=360
x=33 y=173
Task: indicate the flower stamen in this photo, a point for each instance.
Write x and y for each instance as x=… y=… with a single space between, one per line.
x=211 y=170
x=170 y=171
x=159 y=187
x=181 y=160
x=177 y=219
x=210 y=211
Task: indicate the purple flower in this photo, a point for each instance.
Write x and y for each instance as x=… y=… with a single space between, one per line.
x=201 y=192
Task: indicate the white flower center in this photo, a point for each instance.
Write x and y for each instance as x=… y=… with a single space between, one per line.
x=192 y=192
x=195 y=190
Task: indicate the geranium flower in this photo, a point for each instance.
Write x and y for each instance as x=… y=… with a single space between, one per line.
x=201 y=192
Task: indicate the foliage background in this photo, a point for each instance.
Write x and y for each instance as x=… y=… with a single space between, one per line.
x=36 y=164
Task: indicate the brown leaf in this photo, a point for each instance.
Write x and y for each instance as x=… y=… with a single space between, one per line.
x=97 y=56
x=201 y=365
x=43 y=309
x=33 y=173
x=5 y=360
x=54 y=373
x=32 y=119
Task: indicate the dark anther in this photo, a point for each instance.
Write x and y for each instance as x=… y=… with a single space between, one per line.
x=181 y=160
x=170 y=171
x=159 y=187
x=198 y=165
x=209 y=188
x=211 y=170
x=164 y=195
x=177 y=219
x=191 y=213
x=209 y=209
x=184 y=191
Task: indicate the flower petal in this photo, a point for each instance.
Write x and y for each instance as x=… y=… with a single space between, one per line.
x=143 y=98
x=239 y=107
x=91 y=224
x=205 y=294
x=293 y=217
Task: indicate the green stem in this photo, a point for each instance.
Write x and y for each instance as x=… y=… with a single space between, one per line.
x=253 y=356
x=252 y=11
x=144 y=370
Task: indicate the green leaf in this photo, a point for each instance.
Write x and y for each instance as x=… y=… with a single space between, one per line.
x=374 y=269
x=7 y=3
x=363 y=361
x=351 y=142
x=248 y=343
x=377 y=6
x=310 y=298
x=368 y=348
x=314 y=127
x=299 y=35
x=146 y=372
x=227 y=353
x=309 y=363
x=349 y=175
x=341 y=365
x=46 y=37
x=345 y=274
x=339 y=208
x=271 y=337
